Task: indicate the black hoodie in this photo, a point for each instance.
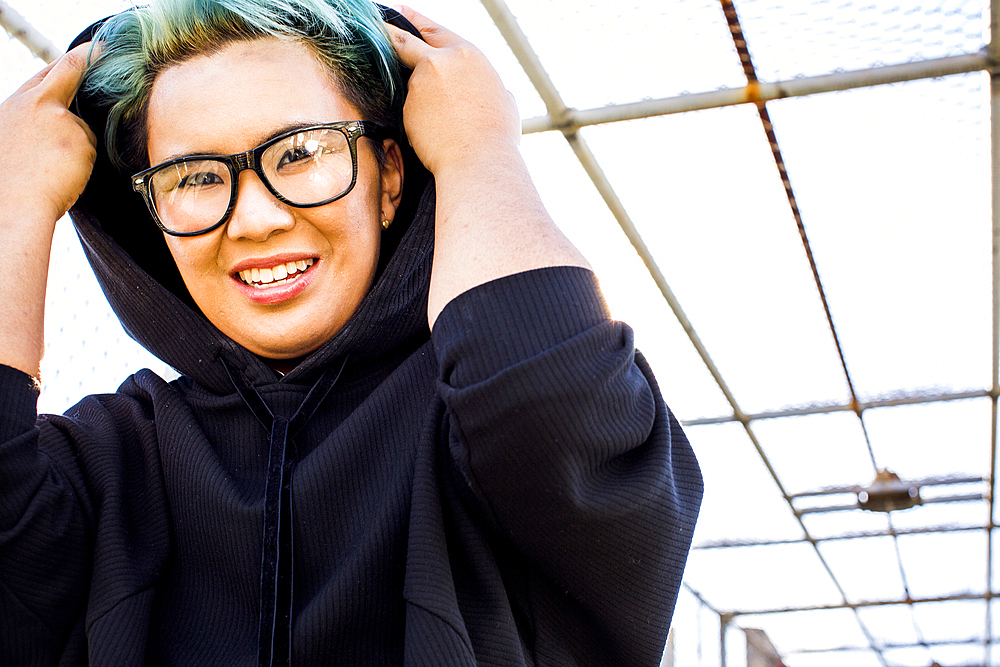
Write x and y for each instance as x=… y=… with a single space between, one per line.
x=509 y=490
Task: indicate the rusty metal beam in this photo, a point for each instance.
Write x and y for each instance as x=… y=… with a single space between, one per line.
x=993 y=60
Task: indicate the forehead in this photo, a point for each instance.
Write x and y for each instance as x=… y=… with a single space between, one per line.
x=231 y=100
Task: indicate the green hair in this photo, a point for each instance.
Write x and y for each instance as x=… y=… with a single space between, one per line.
x=348 y=37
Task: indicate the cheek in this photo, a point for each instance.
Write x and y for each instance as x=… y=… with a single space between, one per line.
x=359 y=248
x=195 y=258
x=365 y=230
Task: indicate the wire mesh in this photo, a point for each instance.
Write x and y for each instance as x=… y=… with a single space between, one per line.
x=789 y=39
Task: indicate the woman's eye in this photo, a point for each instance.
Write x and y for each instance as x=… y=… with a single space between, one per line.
x=296 y=154
x=199 y=179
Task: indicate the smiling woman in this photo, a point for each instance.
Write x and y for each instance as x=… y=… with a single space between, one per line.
x=405 y=431
x=198 y=107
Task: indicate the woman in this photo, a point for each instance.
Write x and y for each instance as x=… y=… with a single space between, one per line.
x=406 y=431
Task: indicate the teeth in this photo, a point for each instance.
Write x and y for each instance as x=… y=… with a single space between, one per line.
x=276 y=275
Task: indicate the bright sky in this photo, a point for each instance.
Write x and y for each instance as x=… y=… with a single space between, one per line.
x=892 y=183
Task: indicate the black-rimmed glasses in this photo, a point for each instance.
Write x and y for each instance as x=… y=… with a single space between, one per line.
x=306 y=167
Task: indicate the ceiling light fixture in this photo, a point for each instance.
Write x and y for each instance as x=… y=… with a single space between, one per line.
x=888 y=493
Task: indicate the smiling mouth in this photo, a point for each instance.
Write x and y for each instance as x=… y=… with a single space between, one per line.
x=276 y=275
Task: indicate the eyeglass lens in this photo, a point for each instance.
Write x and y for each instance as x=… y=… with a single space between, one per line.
x=305 y=168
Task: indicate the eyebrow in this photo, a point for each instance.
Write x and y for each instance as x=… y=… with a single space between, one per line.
x=284 y=129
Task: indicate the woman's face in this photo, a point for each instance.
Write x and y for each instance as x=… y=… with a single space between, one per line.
x=229 y=102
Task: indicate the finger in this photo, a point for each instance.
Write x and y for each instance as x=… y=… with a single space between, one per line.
x=63 y=80
x=434 y=34
x=409 y=48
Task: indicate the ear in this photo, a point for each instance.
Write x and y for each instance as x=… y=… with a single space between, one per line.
x=392 y=179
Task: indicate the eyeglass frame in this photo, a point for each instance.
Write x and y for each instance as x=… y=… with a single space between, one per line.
x=251 y=159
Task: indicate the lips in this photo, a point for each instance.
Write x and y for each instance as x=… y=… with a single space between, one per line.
x=273 y=276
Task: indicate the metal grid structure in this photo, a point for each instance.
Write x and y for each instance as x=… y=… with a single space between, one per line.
x=758 y=93
x=745 y=21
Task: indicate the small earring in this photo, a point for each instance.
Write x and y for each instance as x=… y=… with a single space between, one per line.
x=386 y=222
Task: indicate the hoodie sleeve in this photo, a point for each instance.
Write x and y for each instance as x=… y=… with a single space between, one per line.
x=83 y=521
x=559 y=430
x=44 y=535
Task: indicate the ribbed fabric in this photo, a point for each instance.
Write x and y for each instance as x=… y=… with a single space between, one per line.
x=276 y=571
x=569 y=480
x=528 y=501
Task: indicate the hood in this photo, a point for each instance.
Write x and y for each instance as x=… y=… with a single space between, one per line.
x=137 y=274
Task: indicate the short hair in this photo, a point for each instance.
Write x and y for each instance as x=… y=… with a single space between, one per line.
x=348 y=37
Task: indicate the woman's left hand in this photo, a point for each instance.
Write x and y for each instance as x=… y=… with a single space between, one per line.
x=456 y=106
x=463 y=125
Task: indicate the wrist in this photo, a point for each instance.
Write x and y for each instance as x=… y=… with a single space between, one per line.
x=482 y=163
x=28 y=221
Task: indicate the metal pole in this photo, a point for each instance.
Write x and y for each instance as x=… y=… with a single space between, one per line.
x=570 y=119
x=993 y=57
x=741 y=544
x=958 y=597
x=526 y=57
x=908 y=399
x=724 y=620
x=19 y=27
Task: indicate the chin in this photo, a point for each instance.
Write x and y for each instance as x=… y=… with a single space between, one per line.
x=285 y=334
x=278 y=353
x=279 y=347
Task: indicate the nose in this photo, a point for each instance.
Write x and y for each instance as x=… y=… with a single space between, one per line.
x=257 y=214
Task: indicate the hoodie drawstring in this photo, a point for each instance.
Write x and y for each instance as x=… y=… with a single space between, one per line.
x=274 y=635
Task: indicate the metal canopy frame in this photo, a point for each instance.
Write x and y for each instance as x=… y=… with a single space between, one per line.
x=568 y=121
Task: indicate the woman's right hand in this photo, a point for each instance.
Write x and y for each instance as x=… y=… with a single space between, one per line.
x=46 y=157
x=47 y=152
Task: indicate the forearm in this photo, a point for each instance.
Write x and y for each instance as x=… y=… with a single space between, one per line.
x=490 y=223
x=45 y=161
x=25 y=243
